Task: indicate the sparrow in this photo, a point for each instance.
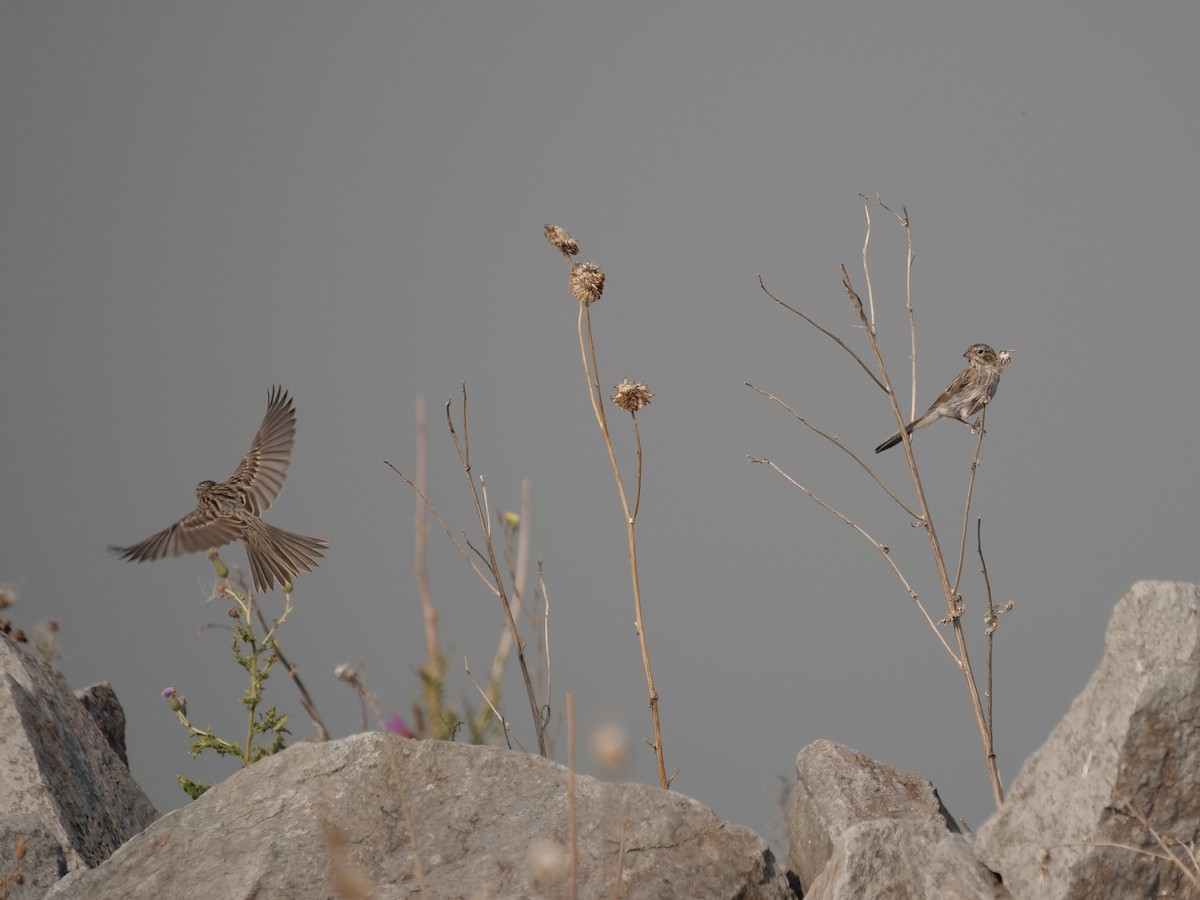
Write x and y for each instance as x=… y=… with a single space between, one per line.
x=970 y=391
x=232 y=510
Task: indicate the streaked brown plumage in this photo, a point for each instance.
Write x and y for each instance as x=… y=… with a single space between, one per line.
x=231 y=510
x=970 y=391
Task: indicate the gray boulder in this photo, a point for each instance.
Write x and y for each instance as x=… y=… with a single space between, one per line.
x=1129 y=747
x=59 y=770
x=860 y=829
x=381 y=816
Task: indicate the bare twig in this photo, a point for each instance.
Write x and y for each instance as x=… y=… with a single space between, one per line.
x=485 y=526
x=883 y=549
x=962 y=544
x=509 y=737
x=833 y=439
x=868 y=321
x=1191 y=873
x=546 y=707
x=824 y=331
x=306 y=699
x=433 y=509
x=495 y=582
x=906 y=224
x=353 y=677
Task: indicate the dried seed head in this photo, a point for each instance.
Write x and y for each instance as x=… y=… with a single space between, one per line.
x=587 y=281
x=563 y=241
x=632 y=396
x=548 y=860
x=609 y=747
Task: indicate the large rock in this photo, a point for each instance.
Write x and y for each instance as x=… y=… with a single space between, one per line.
x=858 y=828
x=100 y=702
x=59 y=770
x=381 y=816
x=1129 y=747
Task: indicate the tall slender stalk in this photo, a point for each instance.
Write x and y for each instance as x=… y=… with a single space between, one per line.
x=587 y=284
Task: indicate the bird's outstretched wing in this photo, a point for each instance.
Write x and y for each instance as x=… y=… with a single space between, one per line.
x=264 y=468
x=198 y=530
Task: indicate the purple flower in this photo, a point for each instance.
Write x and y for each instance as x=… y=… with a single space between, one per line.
x=397 y=725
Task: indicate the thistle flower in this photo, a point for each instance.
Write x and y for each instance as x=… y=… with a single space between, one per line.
x=587 y=281
x=175 y=700
x=563 y=241
x=397 y=725
x=632 y=396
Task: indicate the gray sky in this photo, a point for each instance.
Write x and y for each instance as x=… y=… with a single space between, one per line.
x=201 y=201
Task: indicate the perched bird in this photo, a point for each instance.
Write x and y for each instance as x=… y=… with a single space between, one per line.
x=231 y=510
x=970 y=391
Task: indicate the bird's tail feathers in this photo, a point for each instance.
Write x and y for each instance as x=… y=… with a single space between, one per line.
x=278 y=556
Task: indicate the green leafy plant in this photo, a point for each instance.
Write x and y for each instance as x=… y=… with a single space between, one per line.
x=255 y=647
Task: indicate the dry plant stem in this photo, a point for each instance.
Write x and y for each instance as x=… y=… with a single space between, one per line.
x=1167 y=855
x=989 y=617
x=572 y=832
x=868 y=321
x=637 y=436
x=1192 y=874
x=591 y=369
x=464 y=454
x=306 y=699
x=546 y=626
x=912 y=316
x=494 y=584
x=509 y=737
x=825 y=331
x=433 y=509
x=833 y=439
x=883 y=549
x=620 y=873
x=962 y=659
x=962 y=544
x=365 y=697
x=434 y=673
x=518 y=576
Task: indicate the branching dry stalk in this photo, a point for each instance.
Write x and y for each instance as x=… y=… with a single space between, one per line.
x=906 y=224
x=306 y=700
x=962 y=544
x=865 y=315
x=433 y=673
x=587 y=282
x=883 y=549
x=991 y=618
x=492 y=578
x=509 y=737
x=953 y=600
x=518 y=566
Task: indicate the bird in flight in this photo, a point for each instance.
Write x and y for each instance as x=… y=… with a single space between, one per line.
x=232 y=510
x=970 y=391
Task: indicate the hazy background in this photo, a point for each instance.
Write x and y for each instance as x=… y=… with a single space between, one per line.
x=200 y=201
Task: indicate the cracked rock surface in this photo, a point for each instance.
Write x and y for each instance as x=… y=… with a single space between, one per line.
x=380 y=816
